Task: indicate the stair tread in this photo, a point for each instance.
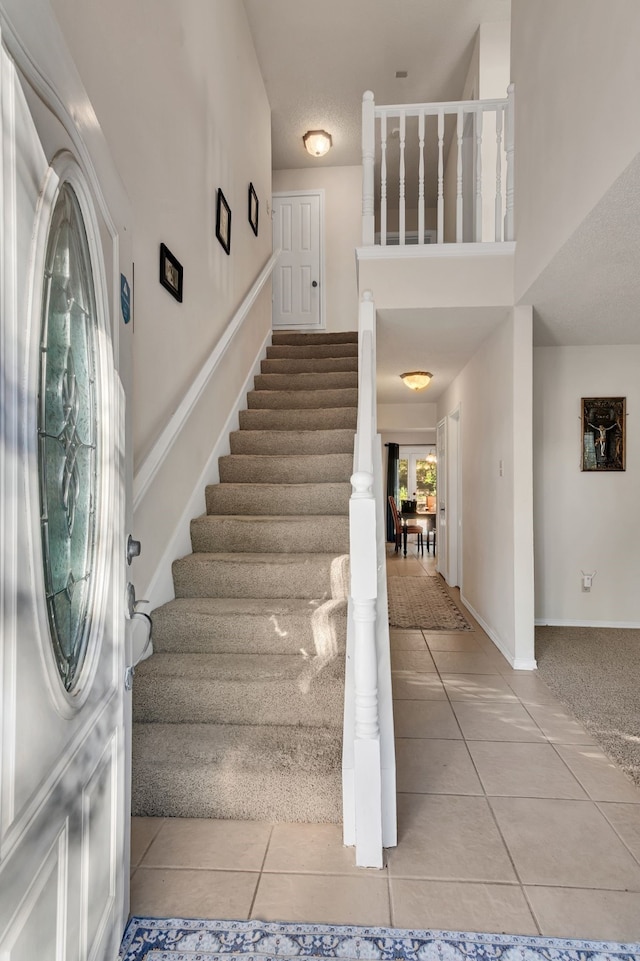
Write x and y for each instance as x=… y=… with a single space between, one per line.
x=244 y=605
x=180 y=745
x=200 y=557
x=219 y=668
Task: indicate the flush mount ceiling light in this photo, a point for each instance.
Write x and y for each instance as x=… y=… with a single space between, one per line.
x=317 y=142
x=417 y=379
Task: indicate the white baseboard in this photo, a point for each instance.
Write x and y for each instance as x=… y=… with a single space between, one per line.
x=517 y=663
x=160 y=589
x=555 y=622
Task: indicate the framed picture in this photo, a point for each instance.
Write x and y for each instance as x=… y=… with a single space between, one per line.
x=254 y=205
x=603 y=423
x=170 y=272
x=223 y=222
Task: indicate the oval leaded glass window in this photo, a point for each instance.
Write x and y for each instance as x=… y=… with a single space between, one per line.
x=67 y=432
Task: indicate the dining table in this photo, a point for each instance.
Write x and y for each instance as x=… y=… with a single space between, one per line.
x=429 y=516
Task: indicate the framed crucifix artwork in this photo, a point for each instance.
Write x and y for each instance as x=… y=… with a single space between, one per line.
x=603 y=421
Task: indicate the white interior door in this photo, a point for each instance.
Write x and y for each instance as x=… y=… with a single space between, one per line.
x=453 y=499
x=63 y=792
x=298 y=296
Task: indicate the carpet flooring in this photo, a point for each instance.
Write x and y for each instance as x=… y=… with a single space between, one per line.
x=175 y=939
x=423 y=602
x=596 y=673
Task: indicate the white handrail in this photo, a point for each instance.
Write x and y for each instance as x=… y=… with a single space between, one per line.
x=369 y=764
x=473 y=216
x=156 y=456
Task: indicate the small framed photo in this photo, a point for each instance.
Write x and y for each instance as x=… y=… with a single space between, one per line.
x=603 y=424
x=223 y=222
x=170 y=272
x=254 y=206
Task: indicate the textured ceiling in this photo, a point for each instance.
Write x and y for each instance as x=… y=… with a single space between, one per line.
x=317 y=58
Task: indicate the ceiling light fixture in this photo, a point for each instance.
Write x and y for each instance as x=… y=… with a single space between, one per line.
x=417 y=379
x=317 y=142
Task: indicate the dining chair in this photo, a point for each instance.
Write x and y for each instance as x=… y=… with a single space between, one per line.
x=399 y=528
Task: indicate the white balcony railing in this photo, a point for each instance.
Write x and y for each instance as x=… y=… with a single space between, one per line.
x=438 y=172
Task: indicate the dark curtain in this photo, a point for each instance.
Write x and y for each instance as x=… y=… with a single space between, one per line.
x=393 y=451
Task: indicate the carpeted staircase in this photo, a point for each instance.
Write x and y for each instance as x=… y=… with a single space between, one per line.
x=238 y=713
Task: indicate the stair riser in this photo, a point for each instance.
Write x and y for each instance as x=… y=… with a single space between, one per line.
x=271 y=500
x=307 y=468
x=309 y=365
x=301 y=399
x=292 y=442
x=326 y=534
x=210 y=791
x=278 y=351
x=229 y=578
x=290 y=337
x=249 y=634
x=178 y=700
x=327 y=419
x=288 y=381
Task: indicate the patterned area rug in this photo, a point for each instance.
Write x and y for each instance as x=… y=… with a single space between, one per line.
x=179 y=940
x=423 y=602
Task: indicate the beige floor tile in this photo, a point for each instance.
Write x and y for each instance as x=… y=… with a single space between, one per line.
x=448 y=838
x=207 y=843
x=407 y=641
x=427 y=766
x=440 y=641
x=531 y=689
x=625 y=819
x=401 y=566
x=162 y=892
x=425 y=719
x=566 y=843
x=420 y=661
x=438 y=905
x=575 y=913
x=416 y=685
x=310 y=849
x=599 y=776
x=558 y=724
x=143 y=831
x=462 y=662
x=496 y=721
x=477 y=687
x=519 y=769
x=322 y=899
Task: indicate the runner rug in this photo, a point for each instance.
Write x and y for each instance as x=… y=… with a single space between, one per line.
x=423 y=602
x=175 y=939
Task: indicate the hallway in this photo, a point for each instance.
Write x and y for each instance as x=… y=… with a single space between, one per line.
x=511 y=819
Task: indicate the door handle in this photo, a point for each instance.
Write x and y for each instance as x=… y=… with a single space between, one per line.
x=314 y=283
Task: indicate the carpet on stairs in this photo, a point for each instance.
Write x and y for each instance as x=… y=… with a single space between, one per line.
x=239 y=711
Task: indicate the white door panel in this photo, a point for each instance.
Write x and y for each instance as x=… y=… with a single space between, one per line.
x=441 y=499
x=297 y=277
x=62 y=764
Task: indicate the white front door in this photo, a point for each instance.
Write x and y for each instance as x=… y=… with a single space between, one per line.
x=298 y=276
x=63 y=792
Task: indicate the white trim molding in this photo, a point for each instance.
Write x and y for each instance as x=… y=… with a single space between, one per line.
x=427 y=251
x=517 y=663
x=554 y=622
x=155 y=458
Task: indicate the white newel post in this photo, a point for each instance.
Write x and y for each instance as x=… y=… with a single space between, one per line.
x=368 y=784
x=368 y=161
x=509 y=139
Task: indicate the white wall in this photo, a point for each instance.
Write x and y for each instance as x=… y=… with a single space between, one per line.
x=413 y=418
x=492 y=416
x=342 y=233
x=180 y=98
x=576 y=69
x=584 y=521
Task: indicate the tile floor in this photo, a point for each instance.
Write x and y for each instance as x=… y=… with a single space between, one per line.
x=511 y=819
